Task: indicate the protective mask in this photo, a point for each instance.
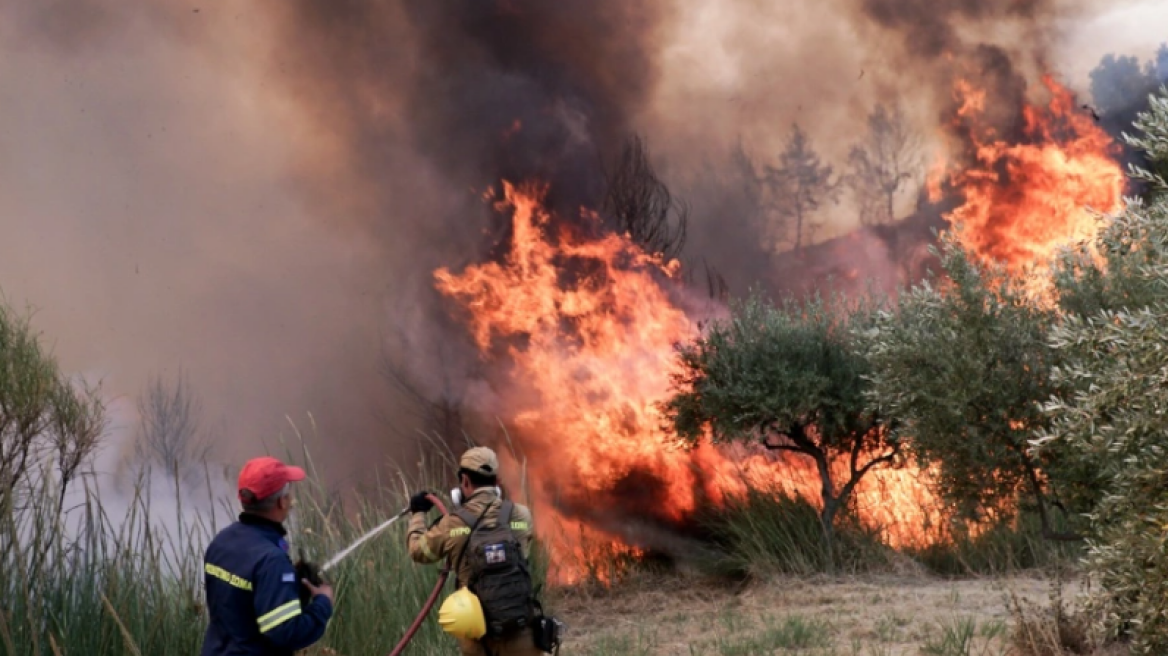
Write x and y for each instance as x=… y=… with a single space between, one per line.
x=456 y=495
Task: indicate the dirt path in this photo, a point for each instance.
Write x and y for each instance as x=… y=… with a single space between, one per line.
x=870 y=616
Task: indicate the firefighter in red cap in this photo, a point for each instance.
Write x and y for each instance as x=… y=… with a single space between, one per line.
x=253 y=595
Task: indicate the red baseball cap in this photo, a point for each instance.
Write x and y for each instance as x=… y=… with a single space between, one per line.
x=265 y=476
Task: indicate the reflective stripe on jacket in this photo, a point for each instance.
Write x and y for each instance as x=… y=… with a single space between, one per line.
x=252 y=594
x=450 y=534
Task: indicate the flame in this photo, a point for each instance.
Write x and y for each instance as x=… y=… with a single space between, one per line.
x=1025 y=200
x=587 y=328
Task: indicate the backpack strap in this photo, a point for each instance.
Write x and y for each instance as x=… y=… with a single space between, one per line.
x=472 y=523
x=505 y=512
x=467 y=517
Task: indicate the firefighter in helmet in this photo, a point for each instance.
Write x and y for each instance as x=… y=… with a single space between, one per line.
x=488 y=540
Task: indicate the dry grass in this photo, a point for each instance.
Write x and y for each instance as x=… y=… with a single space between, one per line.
x=1050 y=629
x=861 y=616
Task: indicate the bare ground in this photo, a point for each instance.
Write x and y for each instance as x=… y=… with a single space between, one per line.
x=862 y=616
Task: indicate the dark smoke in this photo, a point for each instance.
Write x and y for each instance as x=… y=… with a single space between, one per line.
x=437 y=102
x=511 y=90
x=1120 y=88
x=523 y=89
x=954 y=40
x=931 y=29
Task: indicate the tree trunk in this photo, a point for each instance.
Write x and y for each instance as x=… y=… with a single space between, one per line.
x=832 y=502
x=1040 y=500
x=827 y=519
x=830 y=506
x=798 y=231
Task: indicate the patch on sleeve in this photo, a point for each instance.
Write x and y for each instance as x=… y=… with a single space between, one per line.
x=289 y=578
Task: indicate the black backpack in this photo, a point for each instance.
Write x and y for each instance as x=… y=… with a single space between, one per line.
x=499 y=574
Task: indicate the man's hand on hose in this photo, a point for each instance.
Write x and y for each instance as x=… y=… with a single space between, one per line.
x=420 y=502
x=324 y=589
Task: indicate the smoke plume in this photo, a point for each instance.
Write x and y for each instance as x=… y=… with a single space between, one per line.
x=261 y=193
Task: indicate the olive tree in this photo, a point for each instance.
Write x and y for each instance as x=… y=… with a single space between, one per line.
x=791 y=378
x=44 y=417
x=1116 y=417
x=963 y=362
x=49 y=426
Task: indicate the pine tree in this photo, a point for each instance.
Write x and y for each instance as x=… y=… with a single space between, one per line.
x=883 y=165
x=800 y=185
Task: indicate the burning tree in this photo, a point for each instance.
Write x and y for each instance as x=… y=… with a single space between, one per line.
x=884 y=165
x=791 y=378
x=1028 y=196
x=642 y=206
x=800 y=185
x=963 y=362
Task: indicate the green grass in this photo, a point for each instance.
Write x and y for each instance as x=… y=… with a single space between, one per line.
x=765 y=533
x=118 y=586
x=1002 y=548
x=962 y=636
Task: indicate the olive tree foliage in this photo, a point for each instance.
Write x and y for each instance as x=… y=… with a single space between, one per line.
x=1151 y=138
x=49 y=426
x=790 y=378
x=963 y=362
x=45 y=419
x=1116 y=417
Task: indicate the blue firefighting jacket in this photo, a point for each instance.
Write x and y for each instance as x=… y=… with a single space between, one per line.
x=252 y=594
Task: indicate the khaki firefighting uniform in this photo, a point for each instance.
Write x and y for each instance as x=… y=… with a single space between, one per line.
x=449 y=537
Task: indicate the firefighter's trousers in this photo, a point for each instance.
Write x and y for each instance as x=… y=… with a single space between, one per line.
x=521 y=644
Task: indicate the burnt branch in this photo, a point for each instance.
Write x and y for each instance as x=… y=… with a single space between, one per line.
x=170 y=431
x=640 y=205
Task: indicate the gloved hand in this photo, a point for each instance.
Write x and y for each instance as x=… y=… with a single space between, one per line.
x=307 y=571
x=420 y=502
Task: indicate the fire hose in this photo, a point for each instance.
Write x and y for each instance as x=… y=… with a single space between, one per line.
x=430 y=601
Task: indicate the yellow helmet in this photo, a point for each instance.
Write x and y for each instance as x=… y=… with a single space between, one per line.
x=461 y=615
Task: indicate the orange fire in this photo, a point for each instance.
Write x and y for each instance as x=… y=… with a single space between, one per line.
x=587 y=328
x=1025 y=200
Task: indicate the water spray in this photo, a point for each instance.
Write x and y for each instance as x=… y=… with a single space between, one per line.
x=430 y=601
x=361 y=540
